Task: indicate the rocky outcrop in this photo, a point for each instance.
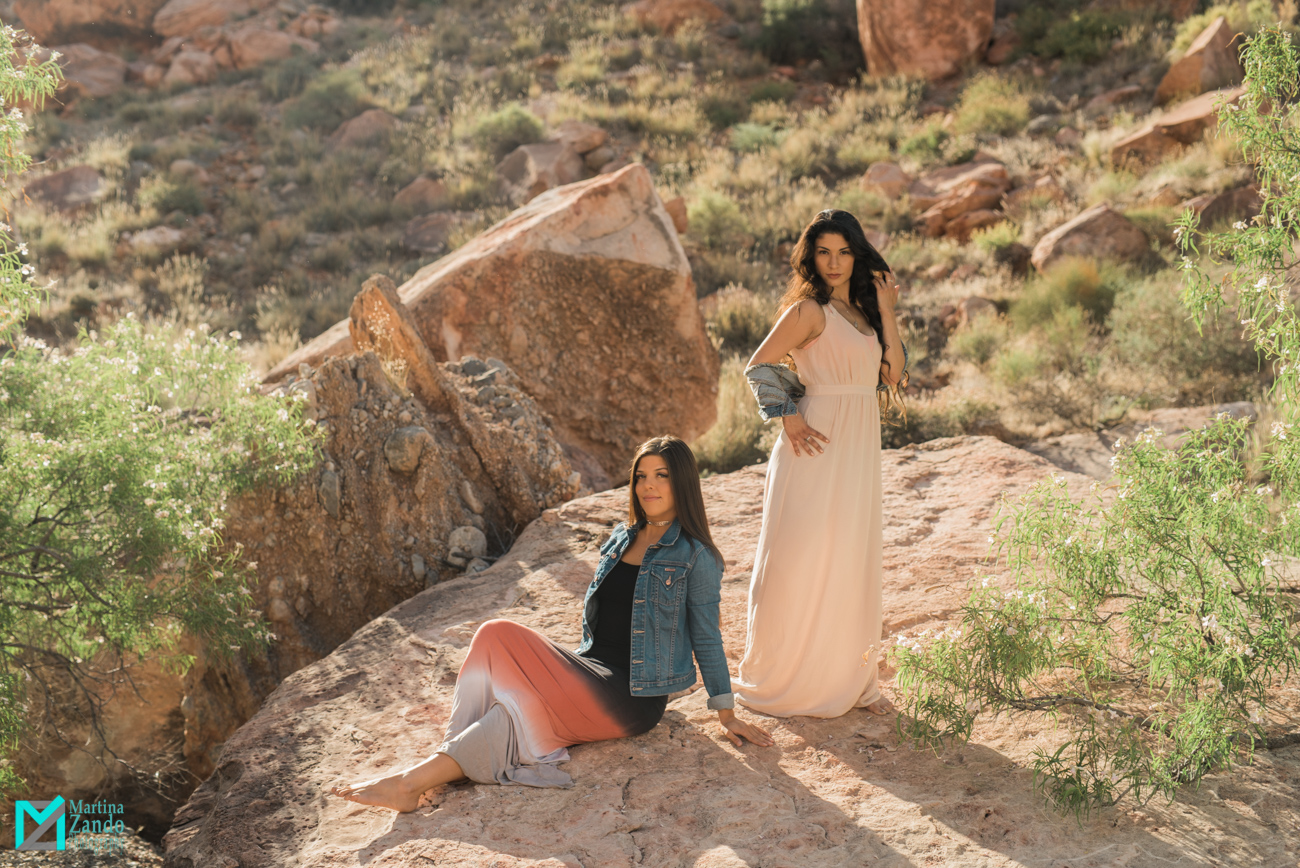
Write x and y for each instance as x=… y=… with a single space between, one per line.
x=887 y=179
x=1210 y=63
x=530 y=170
x=254 y=45
x=840 y=792
x=957 y=200
x=68 y=189
x=1183 y=125
x=89 y=72
x=1098 y=233
x=419 y=457
x=587 y=295
x=932 y=40
x=422 y=195
x=371 y=127
x=669 y=15
x=100 y=22
x=187 y=17
x=1216 y=209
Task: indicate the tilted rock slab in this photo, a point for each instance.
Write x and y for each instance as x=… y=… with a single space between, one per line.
x=414 y=453
x=1211 y=62
x=586 y=293
x=1098 y=233
x=834 y=793
x=1183 y=125
x=51 y=22
x=932 y=39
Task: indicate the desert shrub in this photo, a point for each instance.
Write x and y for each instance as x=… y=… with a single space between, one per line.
x=1060 y=369
x=1052 y=30
x=1244 y=16
x=996 y=238
x=773 y=91
x=1160 y=625
x=823 y=30
x=1156 y=341
x=286 y=79
x=715 y=219
x=507 y=128
x=723 y=109
x=804 y=152
x=734 y=439
x=1157 y=222
x=749 y=137
x=979 y=341
x=932 y=419
x=584 y=67
x=737 y=319
x=239 y=112
x=991 y=103
x=165 y=196
x=926 y=144
x=328 y=100
x=1071 y=283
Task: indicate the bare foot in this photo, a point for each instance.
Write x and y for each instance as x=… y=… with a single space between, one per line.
x=881 y=706
x=389 y=792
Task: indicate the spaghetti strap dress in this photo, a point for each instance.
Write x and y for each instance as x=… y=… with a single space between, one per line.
x=814 y=621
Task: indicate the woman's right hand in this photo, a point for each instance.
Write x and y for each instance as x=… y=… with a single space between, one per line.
x=803 y=436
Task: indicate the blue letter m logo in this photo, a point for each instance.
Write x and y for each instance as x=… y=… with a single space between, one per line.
x=45 y=814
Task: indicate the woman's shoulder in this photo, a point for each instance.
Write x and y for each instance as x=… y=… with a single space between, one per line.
x=809 y=307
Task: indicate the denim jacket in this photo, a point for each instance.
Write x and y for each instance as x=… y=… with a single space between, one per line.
x=777 y=388
x=674 y=613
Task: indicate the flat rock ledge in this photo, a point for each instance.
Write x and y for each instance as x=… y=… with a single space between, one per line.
x=831 y=792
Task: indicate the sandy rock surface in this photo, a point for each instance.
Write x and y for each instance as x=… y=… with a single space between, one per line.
x=831 y=793
x=1100 y=232
x=101 y=22
x=1211 y=62
x=1184 y=124
x=587 y=295
x=933 y=39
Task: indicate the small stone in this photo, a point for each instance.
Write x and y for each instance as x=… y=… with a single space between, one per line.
x=484 y=379
x=477 y=565
x=487 y=393
x=470 y=496
x=466 y=543
x=1041 y=124
x=404 y=446
x=279 y=611
x=329 y=492
x=417 y=566
x=472 y=366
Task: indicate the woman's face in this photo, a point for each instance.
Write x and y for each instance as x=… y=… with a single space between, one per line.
x=834 y=259
x=654 y=490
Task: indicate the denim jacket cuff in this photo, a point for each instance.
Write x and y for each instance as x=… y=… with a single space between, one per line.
x=776 y=411
x=722 y=700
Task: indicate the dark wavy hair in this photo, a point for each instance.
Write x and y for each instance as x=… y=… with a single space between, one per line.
x=868 y=264
x=684 y=479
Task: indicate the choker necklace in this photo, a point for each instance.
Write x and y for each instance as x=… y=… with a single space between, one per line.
x=659 y=523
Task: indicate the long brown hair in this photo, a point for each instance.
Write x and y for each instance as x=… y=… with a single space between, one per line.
x=683 y=479
x=868 y=265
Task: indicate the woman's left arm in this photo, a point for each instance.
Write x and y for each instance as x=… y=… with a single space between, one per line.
x=887 y=298
x=703 y=626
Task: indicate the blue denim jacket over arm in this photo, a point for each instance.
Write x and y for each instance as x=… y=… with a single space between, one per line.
x=674 y=615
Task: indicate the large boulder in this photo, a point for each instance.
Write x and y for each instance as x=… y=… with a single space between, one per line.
x=422 y=195
x=414 y=452
x=933 y=39
x=669 y=15
x=887 y=179
x=100 y=22
x=187 y=17
x=530 y=170
x=1210 y=63
x=254 y=45
x=68 y=189
x=587 y=294
x=1098 y=233
x=191 y=67
x=371 y=127
x=89 y=72
x=956 y=200
x=840 y=792
x=1183 y=125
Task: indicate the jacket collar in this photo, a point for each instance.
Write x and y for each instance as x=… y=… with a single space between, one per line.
x=670 y=535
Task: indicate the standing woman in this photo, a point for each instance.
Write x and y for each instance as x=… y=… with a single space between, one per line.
x=521 y=699
x=813 y=643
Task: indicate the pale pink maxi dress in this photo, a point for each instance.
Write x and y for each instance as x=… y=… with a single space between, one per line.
x=813 y=641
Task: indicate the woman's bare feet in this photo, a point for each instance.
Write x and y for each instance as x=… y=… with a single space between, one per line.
x=390 y=792
x=881 y=706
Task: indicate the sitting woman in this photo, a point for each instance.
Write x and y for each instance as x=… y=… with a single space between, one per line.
x=521 y=700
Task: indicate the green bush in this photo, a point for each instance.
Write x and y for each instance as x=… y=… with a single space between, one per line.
x=749 y=137
x=979 y=341
x=993 y=104
x=773 y=91
x=328 y=100
x=926 y=144
x=168 y=196
x=821 y=30
x=931 y=420
x=286 y=79
x=239 y=112
x=1158 y=627
x=723 y=109
x=1072 y=282
x=507 y=128
x=734 y=441
x=737 y=320
x=1051 y=30
x=715 y=219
